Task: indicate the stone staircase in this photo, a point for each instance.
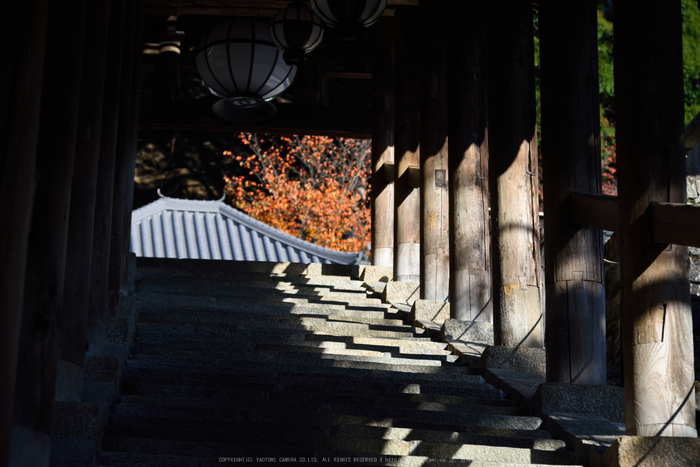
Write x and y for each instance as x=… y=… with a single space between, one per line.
x=259 y=363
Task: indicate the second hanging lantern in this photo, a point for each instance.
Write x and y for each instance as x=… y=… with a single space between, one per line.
x=297 y=31
x=348 y=16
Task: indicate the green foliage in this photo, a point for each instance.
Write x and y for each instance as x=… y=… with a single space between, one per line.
x=691 y=57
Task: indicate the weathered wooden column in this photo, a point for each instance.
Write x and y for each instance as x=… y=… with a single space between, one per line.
x=515 y=248
x=434 y=194
x=125 y=155
x=657 y=328
x=44 y=277
x=73 y=314
x=383 y=144
x=575 y=335
x=407 y=147
x=23 y=32
x=99 y=274
x=135 y=98
x=470 y=258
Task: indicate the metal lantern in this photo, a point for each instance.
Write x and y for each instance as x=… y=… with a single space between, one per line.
x=239 y=62
x=297 y=31
x=348 y=15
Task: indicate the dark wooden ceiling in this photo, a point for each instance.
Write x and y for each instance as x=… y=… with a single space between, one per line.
x=331 y=94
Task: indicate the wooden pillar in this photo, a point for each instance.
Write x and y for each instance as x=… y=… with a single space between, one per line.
x=434 y=242
x=99 y=274
x=23 y=32
x=470 y=262
x=125 y=155
x=575 y=335
x=657 y=328
x=407 y=147
x=73 y=314
x=515 y=256
x=383 y=144
x=133 y=140
x=44 y=277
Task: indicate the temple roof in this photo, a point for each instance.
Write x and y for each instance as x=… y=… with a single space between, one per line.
x=190 y=229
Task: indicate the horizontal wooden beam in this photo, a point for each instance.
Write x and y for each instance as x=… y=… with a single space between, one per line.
x=236 y=7
x=389 y=171
x=672 y=223
x=413 y=176
x=346 y=75
x=594 y=210
x=291 y=119
x=676 y=223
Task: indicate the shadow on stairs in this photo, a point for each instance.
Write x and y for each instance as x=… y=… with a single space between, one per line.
x=261 y=363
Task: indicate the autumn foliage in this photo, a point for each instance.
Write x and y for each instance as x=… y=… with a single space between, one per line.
x=312 y=187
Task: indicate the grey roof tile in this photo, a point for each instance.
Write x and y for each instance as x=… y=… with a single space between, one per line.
x=189 y=229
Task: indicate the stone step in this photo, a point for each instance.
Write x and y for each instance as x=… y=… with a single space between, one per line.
x=328 y=402
x=160 y=313
x=276 y=364
x=302 y=356
x=425 y=354
x=412 y=418
x=506 y=438
x=300 y=348
x=307 y=325
x=131 y=459
x=310 y=439
x=220 y=418
x=262 y=389
x=209 y=452
x=260 y=294
x=258 y=319
x=395 y=447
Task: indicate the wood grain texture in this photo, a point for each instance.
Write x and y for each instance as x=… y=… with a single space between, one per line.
x=676 y=223
x=46 y=255
x=125 y=154
x=102 y=232
x=434 y=193
x=83 y=191
x=595 y=210
x=513 y=175
x=23 y=34
x=407 y=147
x=571 y=161
x=470 y=262
x=655 y=297
x=382 y=196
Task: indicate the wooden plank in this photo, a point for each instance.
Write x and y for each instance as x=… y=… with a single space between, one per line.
x=595 y=210
x=513 y=175
x=434 y=191
x=407 y=148
x=656 y=317
x=23 y=35
x=470 y=262
x=676 y=223
x=382 y=190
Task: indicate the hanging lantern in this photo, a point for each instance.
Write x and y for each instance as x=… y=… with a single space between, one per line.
x=348 y=15
x=297 y=31
x=239 y=62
